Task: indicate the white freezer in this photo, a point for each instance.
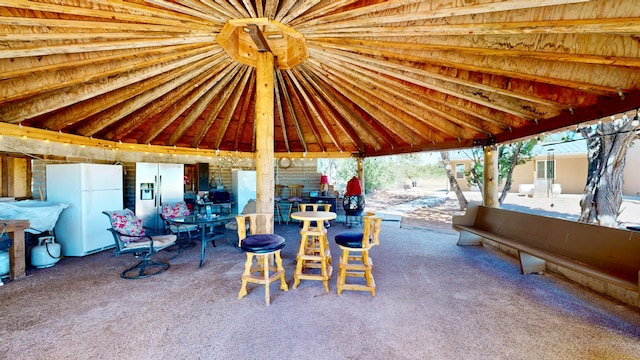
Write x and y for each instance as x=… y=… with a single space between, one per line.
x=89 y=189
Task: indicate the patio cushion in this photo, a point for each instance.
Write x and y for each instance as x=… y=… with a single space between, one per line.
x=352 y=239
x=174 y=210
x=126 y=222
x=262 y=243
x=159 y=242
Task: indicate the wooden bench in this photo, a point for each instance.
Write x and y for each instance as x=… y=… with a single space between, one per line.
x=608 y=254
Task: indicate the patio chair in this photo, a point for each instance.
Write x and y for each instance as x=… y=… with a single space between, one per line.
x=355 y=260
x=130 y=238
x=262 y=247
x=277 y=203
x=174 y=210
x=294 y=197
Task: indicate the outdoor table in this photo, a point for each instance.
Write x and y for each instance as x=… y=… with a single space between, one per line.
x=314 y=247
x=202 y=221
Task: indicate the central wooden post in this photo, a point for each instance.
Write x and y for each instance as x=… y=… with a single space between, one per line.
x=490 y=176
x=264 y=138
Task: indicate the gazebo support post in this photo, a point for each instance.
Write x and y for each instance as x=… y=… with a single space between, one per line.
x=360 y=163
x=264 y=137
x=490 y=177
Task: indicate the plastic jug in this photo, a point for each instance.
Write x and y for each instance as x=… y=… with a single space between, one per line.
x=46 y=254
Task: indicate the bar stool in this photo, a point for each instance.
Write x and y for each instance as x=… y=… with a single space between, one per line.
x=262 y=247
x=355 y=260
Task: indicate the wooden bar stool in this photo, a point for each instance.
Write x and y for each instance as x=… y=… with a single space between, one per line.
x=262 y=247
x=355 y=260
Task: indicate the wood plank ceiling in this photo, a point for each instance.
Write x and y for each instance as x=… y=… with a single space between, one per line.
x=381 y=77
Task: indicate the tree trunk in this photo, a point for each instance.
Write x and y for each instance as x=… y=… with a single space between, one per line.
x=453 y=182
x=607 y=145
x=512 y=166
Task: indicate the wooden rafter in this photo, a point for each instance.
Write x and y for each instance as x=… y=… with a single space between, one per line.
x=349 y=19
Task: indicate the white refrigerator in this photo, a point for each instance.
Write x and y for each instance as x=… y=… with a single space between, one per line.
x=156 y=184
x=243 y=188
x=89 y=189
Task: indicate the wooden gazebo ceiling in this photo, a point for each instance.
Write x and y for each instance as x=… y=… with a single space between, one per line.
x=379 y=77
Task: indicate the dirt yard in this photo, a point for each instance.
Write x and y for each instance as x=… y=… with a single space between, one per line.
x=433 y=209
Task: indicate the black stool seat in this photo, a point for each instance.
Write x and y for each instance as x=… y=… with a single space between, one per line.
x=351 y=239
x=262 y=243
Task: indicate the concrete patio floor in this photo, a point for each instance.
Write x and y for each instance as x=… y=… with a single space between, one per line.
x=435 y=300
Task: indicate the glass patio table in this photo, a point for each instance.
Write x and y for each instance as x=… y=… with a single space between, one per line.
x=203 y=221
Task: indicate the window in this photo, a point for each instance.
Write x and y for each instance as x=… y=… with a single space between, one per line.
x=545 y=169
x=459 y=171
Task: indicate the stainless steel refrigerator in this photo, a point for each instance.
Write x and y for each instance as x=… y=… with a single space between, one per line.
x=89 y=189
x=157 y=183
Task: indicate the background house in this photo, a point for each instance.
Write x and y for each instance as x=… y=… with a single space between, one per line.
x=562 y=164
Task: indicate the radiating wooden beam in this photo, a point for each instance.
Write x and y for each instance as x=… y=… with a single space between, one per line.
x=280 y=111
x=298 y=10
x=285 y=7
x=291 y=110
x=186 y=10
x=95 y=70
x=408 y=103
x=309 y=108
x=382 y=54
x=329 y=7
x=270 y=8
x=619 y=26
x=218 y=106
x=99 y=46
x=349 y=19
x=425 y=79
x=76 y=62
x=415 y=48
x=144 y=14
x=351 y=124
x=232 y=105
x=250 y=90
x=206 y=93
x=240 y=8
x=51 y=101
x=104 y=26
x=250 y=9
x=192 y=76
x=319 y=109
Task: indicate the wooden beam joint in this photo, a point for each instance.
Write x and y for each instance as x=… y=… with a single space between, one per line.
x=257 y=37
